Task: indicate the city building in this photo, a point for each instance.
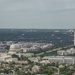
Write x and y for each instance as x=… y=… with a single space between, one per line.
x=25 y=54
x=7 y=58
x=60 y=59
x=22 y=62
x=34 y=59
x=67 y=52
x=45 y=62
x=35 y=68
x=62 y=52
x=14 y=48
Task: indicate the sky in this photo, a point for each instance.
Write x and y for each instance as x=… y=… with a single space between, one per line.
x=37 y=14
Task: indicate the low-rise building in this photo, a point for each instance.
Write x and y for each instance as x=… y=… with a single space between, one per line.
x=35 y=68
x=60 y=59
x=7 y=58
x=45 y=62
x=67 y=52
x=62 y=52
x=73 y=73
x=25 y=54
x=11 y=60
x=22 y=62
x=34 y=59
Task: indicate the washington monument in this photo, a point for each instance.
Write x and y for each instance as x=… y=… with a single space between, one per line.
x=74 y=37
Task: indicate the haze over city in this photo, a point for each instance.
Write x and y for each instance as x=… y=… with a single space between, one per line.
x=37 y=37
x=40 y=14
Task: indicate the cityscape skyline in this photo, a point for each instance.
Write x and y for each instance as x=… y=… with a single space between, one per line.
x=37 y=14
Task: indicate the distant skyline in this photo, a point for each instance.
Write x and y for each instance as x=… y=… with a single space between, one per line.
x=37 y=14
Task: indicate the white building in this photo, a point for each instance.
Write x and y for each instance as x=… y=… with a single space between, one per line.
x=7 y=58
x=34 y=59
x=14 y=48
x=70 y=51
x=25 y=54
x=67 y=52
x=60 y=59
x=46 y=46
x=11 y=60
x=25 y=49
x=45 y=62
x=35 y=68
x=62 y=52
x=69 y=60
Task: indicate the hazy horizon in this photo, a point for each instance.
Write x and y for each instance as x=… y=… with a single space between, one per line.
x=37 y=14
